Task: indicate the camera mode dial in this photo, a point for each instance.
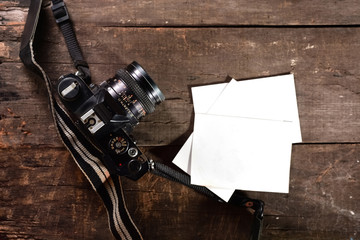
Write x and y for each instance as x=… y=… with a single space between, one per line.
x=118 y=145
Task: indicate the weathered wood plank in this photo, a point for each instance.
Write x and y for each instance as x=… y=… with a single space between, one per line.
x=325 y=68
x=324 y=182
x=182 y=44
x=200 y=13
x=210 y=13
x=45 y=196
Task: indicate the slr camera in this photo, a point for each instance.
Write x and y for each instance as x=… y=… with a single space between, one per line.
x=107 y=113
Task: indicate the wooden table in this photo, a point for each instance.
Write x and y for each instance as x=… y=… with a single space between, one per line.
x=43 y=194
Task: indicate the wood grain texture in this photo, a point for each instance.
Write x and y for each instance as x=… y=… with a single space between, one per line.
x=46 y=195
x=325 y=68
x=205 y=13
x=43 y=195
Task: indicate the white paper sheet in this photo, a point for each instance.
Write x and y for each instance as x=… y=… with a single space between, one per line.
x=264 y=98
x=246 y=154
x=183 y=157
x=203 y=98
x=242 y=137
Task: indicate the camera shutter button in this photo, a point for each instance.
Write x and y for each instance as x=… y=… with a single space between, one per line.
x=133 y=152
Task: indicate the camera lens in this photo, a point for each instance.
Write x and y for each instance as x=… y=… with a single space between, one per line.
x=144 y=80
x=135 y=90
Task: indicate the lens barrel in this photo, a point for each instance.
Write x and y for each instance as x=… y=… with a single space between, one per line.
x=134 y=80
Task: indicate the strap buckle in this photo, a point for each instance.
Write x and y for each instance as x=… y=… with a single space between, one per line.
x=60 y=11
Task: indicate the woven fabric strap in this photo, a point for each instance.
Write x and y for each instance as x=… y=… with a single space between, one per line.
x=85 y=154
x=62 y=18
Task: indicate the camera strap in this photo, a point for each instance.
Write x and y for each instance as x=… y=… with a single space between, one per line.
x=62 y=18
x=86 y=155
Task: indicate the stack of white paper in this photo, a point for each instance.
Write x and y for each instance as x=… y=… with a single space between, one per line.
x=243 y=135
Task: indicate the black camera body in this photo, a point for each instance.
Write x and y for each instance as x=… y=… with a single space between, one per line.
x=107 y=113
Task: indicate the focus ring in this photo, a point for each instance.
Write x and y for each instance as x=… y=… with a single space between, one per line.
x=138 y=91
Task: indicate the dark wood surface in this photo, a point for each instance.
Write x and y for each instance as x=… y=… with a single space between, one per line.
x=43 y=195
